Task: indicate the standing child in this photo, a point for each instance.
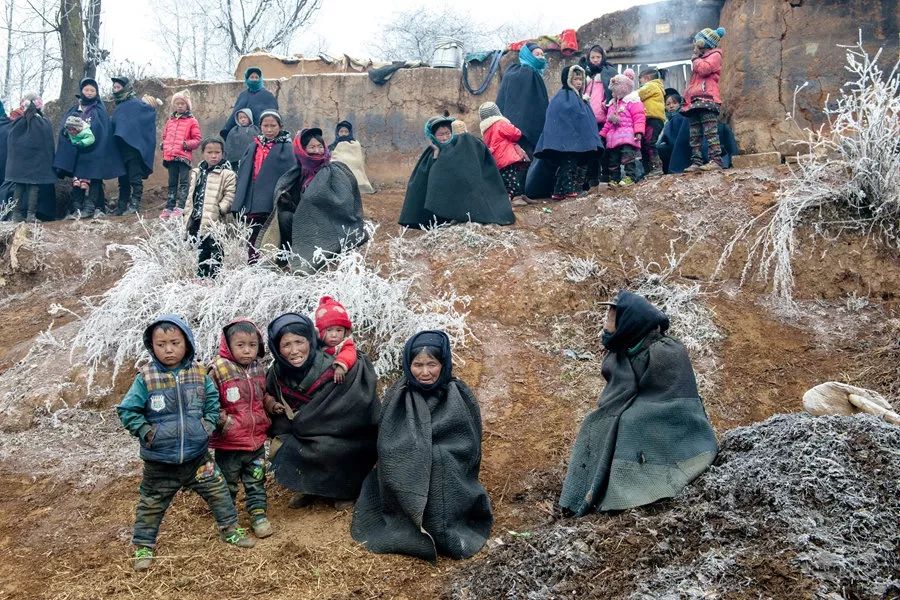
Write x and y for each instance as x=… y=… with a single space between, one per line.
x=652 y=93
x=501 y=137
x=701 y=99
x=334 y=325
x=79 y=134
x=172 y=407
x=211 y=194
x=29 y=159
x=624 y=129
x=599 y=73
x=240 y=439
x=181 y=136
x=240 y=138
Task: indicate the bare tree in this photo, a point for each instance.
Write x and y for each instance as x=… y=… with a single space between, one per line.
x=71 y=46
x=7 y=71
x=261 y=24
x=93 y=53
x=414 y=34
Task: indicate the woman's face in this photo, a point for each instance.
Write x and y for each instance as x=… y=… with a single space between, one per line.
x=443 y=134
x=595 y=57
x=538 y=53
x=314 y=147
x=269 y=127
x=343 y=132
x=426 y=369
x=294 y=348
x=610 y=324
x=89 y=92
x=253 y=77
x=672 y=104
x=117 y=87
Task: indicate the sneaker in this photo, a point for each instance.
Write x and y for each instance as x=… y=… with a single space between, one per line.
x=557 y=197
x=165 y=214
x=143 y=558
x=628 y=181
x=343 y=504
x=177 y=212
x=518 y=201
x=693 y=169
x=262 y=528
x=98 y=214
x=72 y=216
x=711 y=166
x=237 y=536
x=299 y=500
x=531 y=200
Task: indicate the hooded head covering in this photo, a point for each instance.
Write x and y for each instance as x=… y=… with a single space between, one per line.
x=591 y=68
x=311 y=163
x=623 y=84
x=432 y=124
x=2 y=109
x=30 y=104
x=440 y=345
x=568 y=74
x=710 y=38
x=528 y=59
x=245 y=111
x=184 y=95
x=88 y=81
x=127 y=90
x=487 y=110
x=225 y=349
x=299 y=325
x=271 y=113
x=182 y=325
x=331 y=313
x=341 y=138
x=253 y=86
x=458 y=127
x=635 y=318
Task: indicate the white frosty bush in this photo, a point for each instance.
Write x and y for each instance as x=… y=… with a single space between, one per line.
x=582 y=269
x=161 y=278
x=849 y=180
x=463 y=242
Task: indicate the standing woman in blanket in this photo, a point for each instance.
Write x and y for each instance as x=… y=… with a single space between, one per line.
x=256 y=97
x=523 y=98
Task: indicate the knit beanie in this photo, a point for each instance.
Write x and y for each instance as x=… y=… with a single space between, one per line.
x=489 y=109
x=622 y=84
x=184 y=95
x=75 y=122
x=710 y=37
x=331 y=313
x=270 y=113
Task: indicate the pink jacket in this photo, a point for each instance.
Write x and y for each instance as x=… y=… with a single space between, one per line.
x=181 y=136
x=705 y=78
x=597 y=93
x=632 y=120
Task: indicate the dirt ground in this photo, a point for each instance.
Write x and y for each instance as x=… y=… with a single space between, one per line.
x=64 y=542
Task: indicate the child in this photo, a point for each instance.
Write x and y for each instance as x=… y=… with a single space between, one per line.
x=652 y=93
x=240 y=439
x=624 y=129
x=172 y=407
x=211 y=194
x=240 y=137
x=29 y=160
x=181 y=136
x=501 y=137
x=701 y=99
x=333 y=325
x=599 y=73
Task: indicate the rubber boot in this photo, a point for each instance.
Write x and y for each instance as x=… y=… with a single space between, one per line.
x=18 y=211
x=32 y=204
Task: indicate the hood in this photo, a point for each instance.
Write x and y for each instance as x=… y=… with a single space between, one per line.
x=181 y=324
x=88 y=81
x=225 y=350
x=276 y=330
x=526 y=58
x=247 y=112
x=435 y=339
x=342 y=138
x=486 y=123
x=433 y=123
x=622 y=84
x=586 y=64
x=635 y=318
x=568 y=74
x=311 y=163
x=253 y=86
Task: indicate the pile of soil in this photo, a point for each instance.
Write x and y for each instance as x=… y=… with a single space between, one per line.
x=794 y=507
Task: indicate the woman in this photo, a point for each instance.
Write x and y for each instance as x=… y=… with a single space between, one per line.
x=345 y=149
x=523 y=98
x=455 y=179
x=324 y=432
x=324 y=197
x=649 y=437
x=256 y=97
x=29 y=163
x=424 y=498
x=93 y=164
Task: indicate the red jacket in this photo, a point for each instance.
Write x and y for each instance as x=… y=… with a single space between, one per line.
x=181 y=136
x=344 y=353
x=500 y=136
x=705 y=78
x=241 y=394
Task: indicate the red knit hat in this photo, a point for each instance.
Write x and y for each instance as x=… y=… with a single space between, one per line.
x=331 y=313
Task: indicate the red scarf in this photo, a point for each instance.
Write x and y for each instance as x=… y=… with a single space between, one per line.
x=262 y=151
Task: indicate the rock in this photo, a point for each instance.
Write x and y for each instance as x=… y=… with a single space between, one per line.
x=752 y=161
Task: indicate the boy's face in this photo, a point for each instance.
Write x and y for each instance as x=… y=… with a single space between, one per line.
x=577 y=81
x=596 y=58
x=269 y=127
x=179 y=105
x=212 y=154
x=169 y=346
x=343 y=132
x=117 y=87
x=244 y=347
x=672 y=104
x=243 y=120
x=334 y=336
x=425 y=369
x=294 y=348
x=443 y=134
x=89 y=92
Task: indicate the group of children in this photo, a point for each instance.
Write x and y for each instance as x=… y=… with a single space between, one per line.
x=204 y=427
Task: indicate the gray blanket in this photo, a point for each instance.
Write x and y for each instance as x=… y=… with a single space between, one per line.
x=649 y=436
x=424 y=497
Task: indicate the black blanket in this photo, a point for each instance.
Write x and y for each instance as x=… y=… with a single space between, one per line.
x=101 y=160
x=331 y=447
x=540 y=178
x=257 y=102
x=5 y=124
x=134 y=122
x=29 y=156
x=424 y=497
x=523 y=100
x=258 y=197
x=462 y=184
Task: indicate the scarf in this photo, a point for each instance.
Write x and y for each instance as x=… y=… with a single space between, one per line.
x=635 y=318
x=310 y=163
x=429 y=339
x=432 y=124
x=526 y=58
x=254 y=85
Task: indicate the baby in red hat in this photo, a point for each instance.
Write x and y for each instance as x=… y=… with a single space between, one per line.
x=334 y=327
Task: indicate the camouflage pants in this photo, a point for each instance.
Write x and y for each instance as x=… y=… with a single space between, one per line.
x=160 y=483
x=247 y=467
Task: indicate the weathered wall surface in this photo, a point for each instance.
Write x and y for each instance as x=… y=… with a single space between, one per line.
x=773 y=46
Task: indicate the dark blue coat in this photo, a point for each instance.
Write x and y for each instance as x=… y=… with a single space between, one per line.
x=258 y=197
x=5 y=124
x=570 y=125
x=29 y=156
x=522 y=99
x=674 y=145
x=134 y=123
x=256 y=102
x=101 y=160
x=540 y=179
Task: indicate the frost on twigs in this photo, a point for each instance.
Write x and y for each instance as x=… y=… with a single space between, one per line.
x=462 y=243
x=848 y=181
x=161 y=278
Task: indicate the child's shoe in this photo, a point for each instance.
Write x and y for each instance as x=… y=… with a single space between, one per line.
x=262 y=528
x=177 y=213
x=557 y=197
x=711 y=166
x=693 y=169
x=143 y=558
x=165 y=214
x=98 y=214
x=519 y=201
x=628 y=181
x=237 y=536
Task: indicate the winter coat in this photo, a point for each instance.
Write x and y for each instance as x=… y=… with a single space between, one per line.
x=571 y=125
x=653 y=95
x=29 y=157
x=100 y=160
x=595 y=90
x=704 y=82
x=257 y=102
x=82 y=139
x=218 y=195
x=180 y=404
x=257 y=196
x=181 y=136
x=500 y=136
x=632 y=121
x=239 y=140
x=5 y=124
x=134 y=123
x=241 y=393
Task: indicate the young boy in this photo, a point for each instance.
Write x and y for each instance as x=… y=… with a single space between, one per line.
x=240 y=137
x=333 y=325
x=171 y=407
x=240 y=439
x=652 y=93
x=210 y=196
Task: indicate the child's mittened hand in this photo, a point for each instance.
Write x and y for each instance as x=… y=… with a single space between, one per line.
x=638 y=136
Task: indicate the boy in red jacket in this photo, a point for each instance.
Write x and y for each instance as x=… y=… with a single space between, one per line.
x=243 y=423
x=501 y=137
x=333 y=325
x=181 y=136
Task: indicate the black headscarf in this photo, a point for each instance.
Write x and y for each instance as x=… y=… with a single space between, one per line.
x=88 y=81
x=342 y=138
x=635 y=318
x=299 y=325
x=567 y=74
x=439 y=343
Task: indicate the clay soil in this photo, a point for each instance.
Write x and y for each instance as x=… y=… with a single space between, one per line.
x=58 y=540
